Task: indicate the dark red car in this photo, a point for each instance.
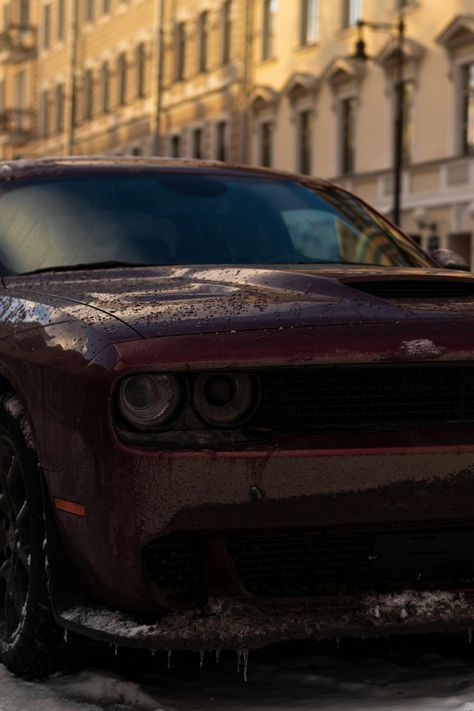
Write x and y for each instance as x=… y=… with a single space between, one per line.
x=237 y=406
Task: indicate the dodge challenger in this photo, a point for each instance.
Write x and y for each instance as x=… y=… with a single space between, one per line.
x=236 y=407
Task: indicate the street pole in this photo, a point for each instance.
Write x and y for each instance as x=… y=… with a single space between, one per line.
x=245 y=85
x=71 y=88
x=398 y=126
x=157 y=77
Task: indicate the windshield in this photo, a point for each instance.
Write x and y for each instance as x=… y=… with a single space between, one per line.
x=190 y=218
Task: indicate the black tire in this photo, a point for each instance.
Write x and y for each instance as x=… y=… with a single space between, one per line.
x=30 y=640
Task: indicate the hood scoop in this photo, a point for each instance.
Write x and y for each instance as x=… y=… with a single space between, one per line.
x=402 y=289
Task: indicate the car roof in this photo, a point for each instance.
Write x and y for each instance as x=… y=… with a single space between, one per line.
x=84 y=165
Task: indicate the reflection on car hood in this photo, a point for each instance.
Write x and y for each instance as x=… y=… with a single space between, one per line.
x=158 y=301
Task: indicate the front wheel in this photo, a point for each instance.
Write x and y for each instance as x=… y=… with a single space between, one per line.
x=29 y=637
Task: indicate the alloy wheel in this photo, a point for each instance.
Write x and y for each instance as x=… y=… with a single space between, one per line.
x=15 y=538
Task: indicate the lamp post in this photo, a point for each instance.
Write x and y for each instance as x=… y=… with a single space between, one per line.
x=397 y=30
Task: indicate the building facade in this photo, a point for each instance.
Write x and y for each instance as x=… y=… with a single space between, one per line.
x=268 y=82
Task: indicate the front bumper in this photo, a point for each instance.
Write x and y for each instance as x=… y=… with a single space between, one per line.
x=210 y=496
x=226 y=623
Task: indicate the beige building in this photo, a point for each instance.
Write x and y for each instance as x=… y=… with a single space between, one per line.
x=270 y=82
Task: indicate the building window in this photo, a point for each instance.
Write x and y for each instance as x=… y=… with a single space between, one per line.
x=270 y=8
x=141 y=70
x=44 y=114
x=175 y=146
x=350 y=12
x=19 y=90
x=105 y=88
x=59 y=104
x=203 y=39
x=60 y=24
x=226 y=31
x=221 y=140
x=23 y=12
x=122 y=79
x=309 y=20
x=468 y=108
x=180 y=50
x=305 y=124
x=197 y=143
x=266 y=144
x=46 y=26
x=348 y=107
x=88 y=91
x=89 y=10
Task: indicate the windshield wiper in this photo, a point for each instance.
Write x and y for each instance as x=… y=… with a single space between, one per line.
x=111 y=264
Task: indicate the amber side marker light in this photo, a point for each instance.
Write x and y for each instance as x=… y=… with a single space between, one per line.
x=70 y=507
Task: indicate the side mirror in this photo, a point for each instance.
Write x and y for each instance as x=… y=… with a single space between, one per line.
x=448 y=259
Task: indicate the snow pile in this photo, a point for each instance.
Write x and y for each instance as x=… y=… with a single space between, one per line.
x=87 y=691
x=19 y=695
x=105 y=688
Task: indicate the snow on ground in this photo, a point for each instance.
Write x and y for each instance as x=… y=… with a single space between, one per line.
x=87 y=691
x=358 y=677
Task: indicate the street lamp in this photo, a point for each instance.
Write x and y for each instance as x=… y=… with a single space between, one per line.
x=397 y=31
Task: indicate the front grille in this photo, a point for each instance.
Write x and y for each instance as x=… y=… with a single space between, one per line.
x=305 y=564
x=173 y=564
x=376 y=397
x=415 y=288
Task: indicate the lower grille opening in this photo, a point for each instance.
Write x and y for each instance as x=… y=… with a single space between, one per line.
x=173 y=564
x=305 y=564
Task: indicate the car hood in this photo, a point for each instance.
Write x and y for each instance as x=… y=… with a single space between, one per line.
x=162 y=301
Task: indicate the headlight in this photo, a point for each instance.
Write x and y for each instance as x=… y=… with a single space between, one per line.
x=149 y=401
x=224 y=399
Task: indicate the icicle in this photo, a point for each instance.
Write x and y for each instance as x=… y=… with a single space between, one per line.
x=469 y=634
x=115 y=650
x=201 y=659
x=246 y=664
x=65 y=636
x=338 y=642
x=169 y=658
x=218 y=656
x=239 y=655
x=153 y=652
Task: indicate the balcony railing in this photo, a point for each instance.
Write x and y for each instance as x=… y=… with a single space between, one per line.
x=17 y=42
x=16 y=125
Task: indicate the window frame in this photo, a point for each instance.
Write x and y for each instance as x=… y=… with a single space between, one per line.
x=226 y=32
x=351 y=11
x=309 y=10
x=46 y=26
x=122 y=79
x=347 y=139
x=304 y=163
x=180 y=50
x=140 y=68
x=269 y=13
x=203 y=42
